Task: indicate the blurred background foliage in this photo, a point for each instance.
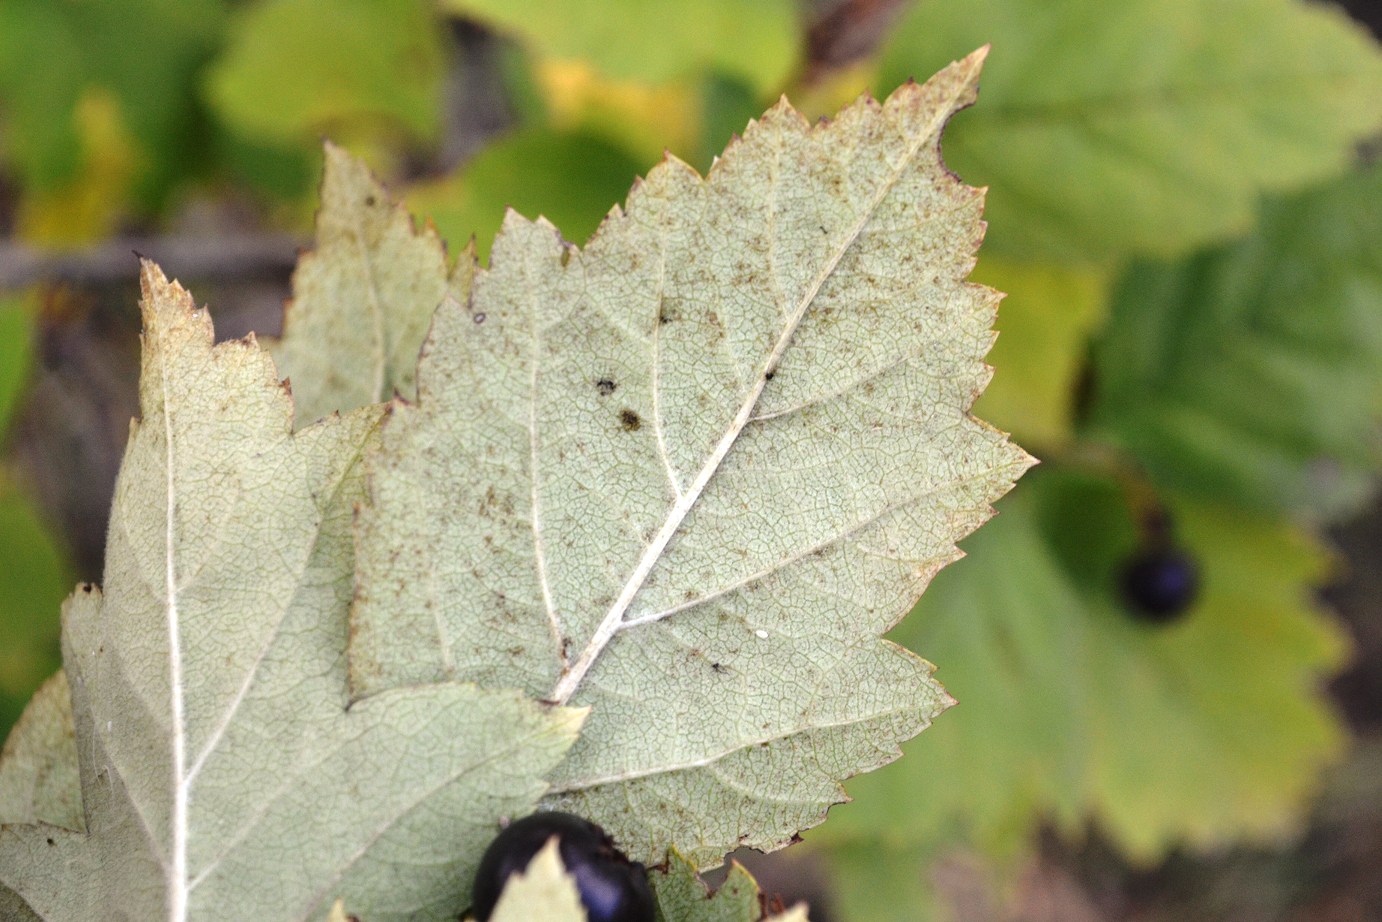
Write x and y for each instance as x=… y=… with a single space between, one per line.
x=1185 y=205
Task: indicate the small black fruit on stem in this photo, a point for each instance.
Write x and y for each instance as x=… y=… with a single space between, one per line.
x=1160 y=583
x=612 y=888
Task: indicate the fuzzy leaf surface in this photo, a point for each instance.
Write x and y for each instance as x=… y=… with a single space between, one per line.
x=362 y=299
x=1254 y=371
x=688 y=475
x=544 y=892
x=682 y=896
x=1162 y=123
x=221 y=774
x=38 y=768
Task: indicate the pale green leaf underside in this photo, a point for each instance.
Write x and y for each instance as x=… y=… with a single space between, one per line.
x=38 y=769
x=690 y=474
x=363 y=299
x=544 y=892
x=221 y=774
x=1144 y=125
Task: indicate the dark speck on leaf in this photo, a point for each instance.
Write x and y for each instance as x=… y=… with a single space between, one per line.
x=479 y=318
x=630 y=421
x=606 y=387
x=369 y=200
x=769 y=376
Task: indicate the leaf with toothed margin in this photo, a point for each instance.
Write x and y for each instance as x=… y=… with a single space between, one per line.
x=543 y=892
x=38 y=768
x=683 y=897
x=688 y=475
x=222 y=774
x=363 y=299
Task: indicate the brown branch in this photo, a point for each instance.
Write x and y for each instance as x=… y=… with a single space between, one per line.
x=229 y=257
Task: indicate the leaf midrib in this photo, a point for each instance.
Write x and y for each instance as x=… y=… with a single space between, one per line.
x=571 y=678
x=177 y=872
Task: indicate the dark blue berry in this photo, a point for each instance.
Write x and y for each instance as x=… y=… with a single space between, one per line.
x=1160 y=584
x=612 y=888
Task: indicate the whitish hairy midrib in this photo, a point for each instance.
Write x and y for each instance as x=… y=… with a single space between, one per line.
x=572 y=677
x=176 y=868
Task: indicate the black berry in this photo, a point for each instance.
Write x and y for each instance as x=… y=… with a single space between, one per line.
x=612 y=888
x=1160 y=583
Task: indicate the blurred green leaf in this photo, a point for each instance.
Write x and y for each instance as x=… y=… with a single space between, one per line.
x=644 y=120
x=1044 y=325
x=875 y=882
x=654 y=40
x=1254 y=372
x=297 y=69
x=571 y=179
x=727 y=107
x=33 y=582
x=1147 y=125
x=1204 y=731
x=147 y=52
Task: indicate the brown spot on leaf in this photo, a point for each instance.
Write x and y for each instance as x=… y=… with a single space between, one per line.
x=630 y=420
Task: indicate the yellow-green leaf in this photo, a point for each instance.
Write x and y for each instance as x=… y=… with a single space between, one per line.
x=654 y=40
x=295 y=69
x=1043 y=331
x=1206 y=731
